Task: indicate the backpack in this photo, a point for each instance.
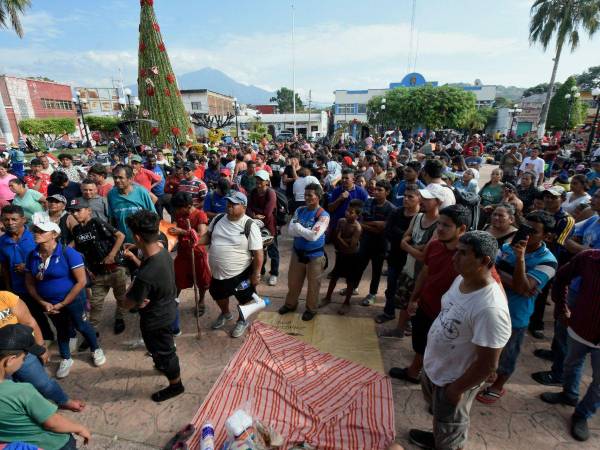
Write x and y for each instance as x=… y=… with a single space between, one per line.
x=247 y=225
x=470 y=201
x=282 y=210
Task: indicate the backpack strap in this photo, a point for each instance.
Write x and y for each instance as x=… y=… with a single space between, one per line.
x=216 y=219
x=247 y=225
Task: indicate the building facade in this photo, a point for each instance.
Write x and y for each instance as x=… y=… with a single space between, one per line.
x=312 y=125
x=203 y=101
x=28 y=98
x=99 y=101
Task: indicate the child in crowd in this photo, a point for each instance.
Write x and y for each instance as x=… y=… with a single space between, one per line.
x=346 y=241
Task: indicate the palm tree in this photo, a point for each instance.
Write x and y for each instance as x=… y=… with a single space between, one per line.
x=561 y=19
x=12 y=10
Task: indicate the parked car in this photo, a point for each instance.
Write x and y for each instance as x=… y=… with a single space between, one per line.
x=285 y=136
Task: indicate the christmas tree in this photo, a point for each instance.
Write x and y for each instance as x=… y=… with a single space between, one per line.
x=159 y=94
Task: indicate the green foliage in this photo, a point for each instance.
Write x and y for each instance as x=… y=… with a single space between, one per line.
x=561 y=108
x=479 y=119
x=539 y=89
x=589 y=79
x=50 y=129
x=257 y=131
x=159 y=95
x=284 y=101
x=12 y=10
x=427 y=106
x=503 y=102
x=104 y=124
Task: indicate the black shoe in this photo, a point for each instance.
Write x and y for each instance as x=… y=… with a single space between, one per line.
x=401 y=373
x=537 y=334
x=383 y=318
x=555 y=398
x=579 y=428
x=119 y=326
x=546 y=378
x=285 y=309
x=422 y=439
x=544 y=354
x=173 y=390
x=308 y=315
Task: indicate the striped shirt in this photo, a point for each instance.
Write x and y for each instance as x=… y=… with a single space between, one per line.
x=585 y=311
x=304 y=394
x=540 y=266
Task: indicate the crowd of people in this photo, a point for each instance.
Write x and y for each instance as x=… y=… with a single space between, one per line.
x=468 y=264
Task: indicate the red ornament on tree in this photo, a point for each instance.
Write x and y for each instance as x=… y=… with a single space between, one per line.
x=147 y=2
x=171 y=78
x=142 y=73
x=190 y=130
x=156 y=27
x=167 y=92
x=176 y=131
x=161 y=47
x=142 y=46
x=154 y=131
x=150 y=91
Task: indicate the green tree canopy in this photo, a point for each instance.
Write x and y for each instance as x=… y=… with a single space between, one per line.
x=104 y=124
x=427 y=106
x=50 y=130
x=284 y=101
x=562 y=110
x=541 y=88
x=257 y=131
x=589 y=79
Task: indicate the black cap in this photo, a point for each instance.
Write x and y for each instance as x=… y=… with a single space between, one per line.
x=78 y=203
x=188 y=166
x=19 y=337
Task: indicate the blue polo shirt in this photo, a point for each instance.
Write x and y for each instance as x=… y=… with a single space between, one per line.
x=57 y=280
x=214 y=203
x=13 y=253
x=358 y=192
x=540 y=265
x=121 y=206
x=159 y=189
x=398 y=192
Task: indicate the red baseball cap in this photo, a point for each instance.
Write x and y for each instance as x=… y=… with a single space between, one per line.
x=348 y=160
x=226 y=172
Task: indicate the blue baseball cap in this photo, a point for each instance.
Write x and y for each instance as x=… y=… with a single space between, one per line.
x=237 y=198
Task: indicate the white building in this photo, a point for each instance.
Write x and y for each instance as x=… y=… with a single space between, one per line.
x=203 y=101
x=313 y=124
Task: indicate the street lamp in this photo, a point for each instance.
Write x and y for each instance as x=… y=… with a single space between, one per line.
x=79 y=102
x=237 y=125
x=596 y=97
x=515 y=110
x=571 y=98
x=128 y=99
x=382 y=113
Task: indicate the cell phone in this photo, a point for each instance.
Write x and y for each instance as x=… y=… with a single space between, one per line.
x=523 y=233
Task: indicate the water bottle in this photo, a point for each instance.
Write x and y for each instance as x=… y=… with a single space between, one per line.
x=243 y=286
x=207 y=436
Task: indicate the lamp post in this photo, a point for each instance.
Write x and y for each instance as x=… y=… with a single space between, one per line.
x=79 y=102
x=515 y=110
x=571 y=98
x=129 y=100
x=382 y=113
x=237 y=125
x=596 y=97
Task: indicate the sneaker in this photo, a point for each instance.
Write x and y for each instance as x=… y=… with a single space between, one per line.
x=544 y=354
x=285 y=309
x=99 y=358
x=272 y=280
x=537 y=334
x=64 y=368
x=368 y=300
x=239 y=329
x=177 y=333
x=401 y=373
x=308 y=315
x=557 y=397
x=119 y=326
x=343 y=291
x=221 y=321
x=391 y=333
x=383 y=318
x=546 y=378
x=73 y=345
x=422 y=439
x=579 y=428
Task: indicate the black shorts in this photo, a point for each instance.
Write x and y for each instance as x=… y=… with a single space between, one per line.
x=346 y=267
x=421 y=323
x=221 y=289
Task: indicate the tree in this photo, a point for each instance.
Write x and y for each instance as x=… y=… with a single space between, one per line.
x=49 y=130
x=12 y=10
x=560 y=19
x=212 y=121
x=563 y=113
x=503 y=102
x=257 y=131
x=427 y=106
x=284 y=101
x=103 y=124
x=160 y=98
x=479 y=119
x=589 y=79
x=541 y=88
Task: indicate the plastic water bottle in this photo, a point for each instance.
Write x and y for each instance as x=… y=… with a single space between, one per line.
x=207 y=436
x=243 y=285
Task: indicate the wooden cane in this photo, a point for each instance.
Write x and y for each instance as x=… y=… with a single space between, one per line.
x=196 y=293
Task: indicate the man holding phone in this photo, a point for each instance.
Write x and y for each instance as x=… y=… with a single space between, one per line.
x=525 y=267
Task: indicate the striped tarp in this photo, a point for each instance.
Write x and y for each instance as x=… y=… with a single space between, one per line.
x=304 y=394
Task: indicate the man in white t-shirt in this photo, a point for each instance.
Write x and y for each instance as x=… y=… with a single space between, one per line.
x=535 y=164
x=464 y=343
x=235 y=257
x=303 y=180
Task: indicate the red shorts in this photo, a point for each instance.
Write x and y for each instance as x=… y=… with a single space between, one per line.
x=184 y=277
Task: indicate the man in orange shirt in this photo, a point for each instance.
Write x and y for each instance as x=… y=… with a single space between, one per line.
x=142 y=176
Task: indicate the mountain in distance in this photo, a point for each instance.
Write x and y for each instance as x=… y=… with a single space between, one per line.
x=508 y=92
x=216 y=81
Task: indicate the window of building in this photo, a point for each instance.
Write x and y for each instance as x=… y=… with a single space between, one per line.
x=361 y=109
x=351 y=108
x=56 y=104
x=196 y=106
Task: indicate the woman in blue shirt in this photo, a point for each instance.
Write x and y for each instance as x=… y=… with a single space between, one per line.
x=55 y=278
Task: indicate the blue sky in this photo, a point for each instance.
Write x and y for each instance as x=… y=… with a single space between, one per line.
x=340 y=44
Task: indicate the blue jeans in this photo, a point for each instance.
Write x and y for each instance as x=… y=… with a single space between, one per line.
x=390 y=293
x=33 y=372
x=559 y=350
x=511 y=351
x=273 y=253
x=73 y=315
x=574 y=364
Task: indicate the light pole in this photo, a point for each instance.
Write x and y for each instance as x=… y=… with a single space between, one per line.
x=237 y=125
x=515 y=110
x=596 y=97
x=571 y=98
x=127 y=100
x=79 y=102
x=382 y=113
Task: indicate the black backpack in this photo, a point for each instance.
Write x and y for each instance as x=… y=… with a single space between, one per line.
x=282 y=209
x=471 y=201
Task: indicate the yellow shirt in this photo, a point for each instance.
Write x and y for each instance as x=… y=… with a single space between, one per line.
x=8 y=302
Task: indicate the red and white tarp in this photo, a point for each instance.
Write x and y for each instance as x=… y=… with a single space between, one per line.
x=304 y=394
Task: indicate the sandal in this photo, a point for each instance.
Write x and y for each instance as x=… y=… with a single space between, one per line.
x=489 y=397
x=180 y=437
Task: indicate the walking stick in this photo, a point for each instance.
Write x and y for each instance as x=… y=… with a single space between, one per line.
x=196 y=293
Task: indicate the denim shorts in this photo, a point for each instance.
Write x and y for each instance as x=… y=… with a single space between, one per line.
x=511 y=351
